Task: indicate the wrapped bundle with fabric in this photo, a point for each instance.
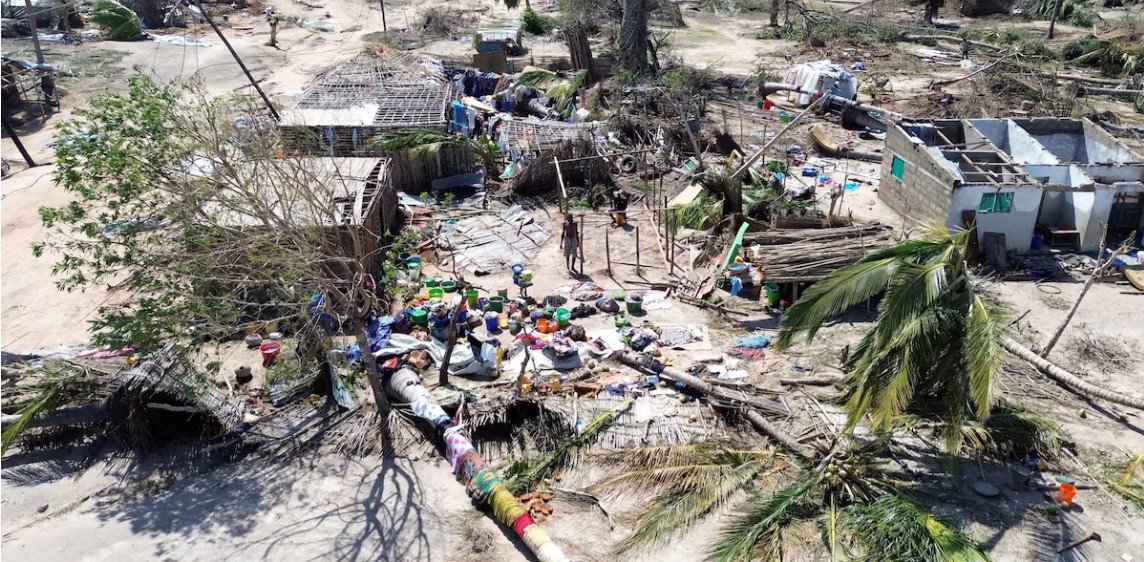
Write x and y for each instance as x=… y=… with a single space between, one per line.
x=481 y=483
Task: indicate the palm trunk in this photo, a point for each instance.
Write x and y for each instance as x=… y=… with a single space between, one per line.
x=785 y=441
x=1053 y=19
x=1098 y=271
x=1068 y=379
x=482 y=482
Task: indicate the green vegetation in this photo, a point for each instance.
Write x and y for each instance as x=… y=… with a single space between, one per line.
x=1073 y=12
x=704 y=212
x=120 y=23
x=537 y=24
x=686 y=80
x=56 y=385
x=1111 y=58
x=858 y=506
x=937 y=340
x=1127 y=479
x=529 y=472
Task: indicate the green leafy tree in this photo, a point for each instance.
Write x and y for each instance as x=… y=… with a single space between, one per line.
x=937 y=339
x=184 y=211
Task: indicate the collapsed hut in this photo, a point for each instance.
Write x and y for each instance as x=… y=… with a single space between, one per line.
x=534 y=145
x=342 y=112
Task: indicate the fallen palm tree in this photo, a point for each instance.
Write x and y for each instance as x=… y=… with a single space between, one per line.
x=481 y=482
x=750 y=403
x=1068 y=379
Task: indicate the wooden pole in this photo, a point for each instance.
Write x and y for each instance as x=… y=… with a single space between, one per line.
x=11 y=132
x=35 y=32
x=608 y=249
x=383 y=26
x=581 y=242
x=637 y=250
x=739 y=105
x=443 y=376
x=560 y=178
x=253 y=82
x=747 y=163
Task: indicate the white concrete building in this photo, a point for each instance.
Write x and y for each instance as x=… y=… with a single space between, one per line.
x=1064 y=179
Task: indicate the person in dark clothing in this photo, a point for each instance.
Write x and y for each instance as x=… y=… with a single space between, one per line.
x=620 y=200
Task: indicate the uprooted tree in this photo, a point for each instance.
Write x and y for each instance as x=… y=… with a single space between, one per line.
x=186 y=211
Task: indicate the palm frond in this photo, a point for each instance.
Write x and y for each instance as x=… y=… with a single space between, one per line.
x=758 y=525
x=840 y=290
x=424 y=144
x=984 y=328
x=1127 y=479
x=894 y=529
x=538 y=78
x=528 y=472
x=1013 y=432
x=121 y=23
x=693 y=481
x=677 y=510
x=911 y=291
x=48 y=401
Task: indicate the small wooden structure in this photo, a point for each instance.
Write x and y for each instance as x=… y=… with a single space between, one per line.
x=348 y=106
x=362 y=202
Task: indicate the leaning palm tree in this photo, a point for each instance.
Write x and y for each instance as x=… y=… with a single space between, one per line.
x=847 y=497
x=936 y=337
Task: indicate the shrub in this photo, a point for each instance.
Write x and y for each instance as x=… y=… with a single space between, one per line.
x=537 y=24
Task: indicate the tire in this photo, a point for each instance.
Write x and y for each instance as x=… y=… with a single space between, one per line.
x=628 y=164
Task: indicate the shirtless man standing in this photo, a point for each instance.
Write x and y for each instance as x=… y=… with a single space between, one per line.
x=570 y=242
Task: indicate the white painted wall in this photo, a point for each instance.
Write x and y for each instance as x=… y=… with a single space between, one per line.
x=1112 y=173
x=1103 y=148
x=1017 y=225
x=995 y=130
x=1023 y=148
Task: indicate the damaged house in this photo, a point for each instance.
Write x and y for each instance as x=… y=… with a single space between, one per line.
x=342 y=112
x=1056 y=181
x=353 y=200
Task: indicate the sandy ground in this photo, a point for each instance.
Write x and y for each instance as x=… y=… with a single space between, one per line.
x=329 y=508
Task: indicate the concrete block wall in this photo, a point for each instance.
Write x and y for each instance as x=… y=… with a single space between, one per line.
x=926 y=187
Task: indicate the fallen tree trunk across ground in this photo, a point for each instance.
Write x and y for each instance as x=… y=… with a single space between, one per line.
x=1068 y=379
x=751 y=403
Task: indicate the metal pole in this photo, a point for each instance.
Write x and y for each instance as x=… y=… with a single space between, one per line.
x=254 y=83
x=383 y=27
x=11 y=132
x=35 y=33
